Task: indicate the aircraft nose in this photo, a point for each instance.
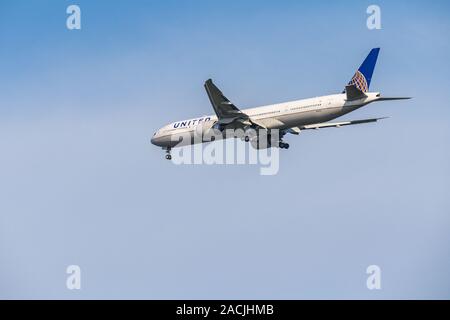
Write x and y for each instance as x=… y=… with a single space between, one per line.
x=161 y=140
x=154 y=140
x=158 y=141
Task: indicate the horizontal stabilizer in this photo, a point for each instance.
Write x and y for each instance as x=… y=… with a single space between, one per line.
x=338 y=124
x=393 y=98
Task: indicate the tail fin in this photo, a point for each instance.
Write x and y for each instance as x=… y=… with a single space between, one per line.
x=363 y=75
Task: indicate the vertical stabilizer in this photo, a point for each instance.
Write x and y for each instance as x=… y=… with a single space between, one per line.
x=363 y=75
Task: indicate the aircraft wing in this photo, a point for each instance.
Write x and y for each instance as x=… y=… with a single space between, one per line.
x=337 y=124
x=226 y=111
x=228 y=114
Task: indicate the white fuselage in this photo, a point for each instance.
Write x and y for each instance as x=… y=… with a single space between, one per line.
x=276 y=116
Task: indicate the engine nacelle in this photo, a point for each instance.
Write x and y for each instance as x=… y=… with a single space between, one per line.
x=262 y=142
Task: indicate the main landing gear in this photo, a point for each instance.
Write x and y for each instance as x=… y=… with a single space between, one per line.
x=168 y=155
x=283 y=145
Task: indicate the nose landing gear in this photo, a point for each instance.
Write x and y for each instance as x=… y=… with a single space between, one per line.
x=168 y=155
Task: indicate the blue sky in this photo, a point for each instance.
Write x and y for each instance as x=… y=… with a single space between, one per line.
x=81 y=184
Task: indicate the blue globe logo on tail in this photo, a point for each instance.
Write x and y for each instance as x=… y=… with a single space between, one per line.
x=359 y=81
x=363 y=75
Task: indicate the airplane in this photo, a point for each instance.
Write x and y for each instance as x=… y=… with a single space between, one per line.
x=289 y=117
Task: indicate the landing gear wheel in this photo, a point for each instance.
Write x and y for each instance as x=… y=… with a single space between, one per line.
x=283 y=145
x=286 y=146
x=168 y=156
x=246 y=138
